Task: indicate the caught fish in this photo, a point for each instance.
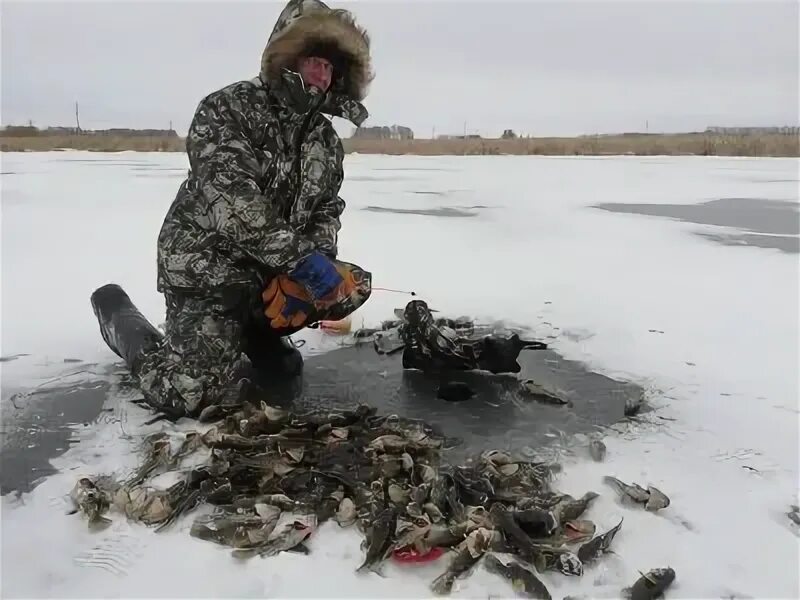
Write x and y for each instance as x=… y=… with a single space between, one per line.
x=346 y=514
x=389 y=443
x=280 y=500
x=388 y=466
x=570 y=509
x=522 y=580
x=406 y=461
x=473 y=488
x=514 y=534
x=153 y=506
x=650 y=585
x=439 y=489
x=337 y=435
x=157 y=451
x=291 y=535
x=399 y=494
x=235 y=530
x=547 y=557
x=420 y=440
x=379 y=539
x=626 y=491
x=88 y=499
x=478 y=516
x=274 y=414
x=468 y=554
x=569 y=564
x=413 y=509
x=267 y=512
x=579 y=530
x=446 y=536
x=413 y=534
x=597 y=546
x=433 y=512
x=496 y=457
x=420 y=493
x=427 y=473
x=657 y=499
x=270 y=477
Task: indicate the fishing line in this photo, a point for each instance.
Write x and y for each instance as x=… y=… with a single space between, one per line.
x=316 y=325
x=380 y=289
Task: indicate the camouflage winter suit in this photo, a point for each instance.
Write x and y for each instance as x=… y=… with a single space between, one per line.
x=261 y=194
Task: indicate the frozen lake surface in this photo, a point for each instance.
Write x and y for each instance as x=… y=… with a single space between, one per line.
x=678 y=275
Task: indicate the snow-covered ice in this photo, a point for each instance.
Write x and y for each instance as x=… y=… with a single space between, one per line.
x=711 y=329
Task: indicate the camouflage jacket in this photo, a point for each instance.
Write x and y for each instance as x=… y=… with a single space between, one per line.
x=265 y=163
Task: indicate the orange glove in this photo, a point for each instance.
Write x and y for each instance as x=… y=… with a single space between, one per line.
x=286 y=303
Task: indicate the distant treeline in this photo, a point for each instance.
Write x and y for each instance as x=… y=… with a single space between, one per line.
x=688 y=144
x=682 y=144
x=31 y=131
x=21 y=138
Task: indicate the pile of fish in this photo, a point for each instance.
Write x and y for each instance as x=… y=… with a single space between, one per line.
x=268 y=478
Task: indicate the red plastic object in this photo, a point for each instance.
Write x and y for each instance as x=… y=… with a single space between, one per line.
x=409 y=555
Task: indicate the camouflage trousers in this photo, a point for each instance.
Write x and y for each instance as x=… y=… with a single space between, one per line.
x=203 y=355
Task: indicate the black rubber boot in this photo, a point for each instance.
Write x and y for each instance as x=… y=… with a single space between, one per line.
x=126 y=331
x=272 y=356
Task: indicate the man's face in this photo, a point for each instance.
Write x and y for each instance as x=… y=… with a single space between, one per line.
x=316 y=71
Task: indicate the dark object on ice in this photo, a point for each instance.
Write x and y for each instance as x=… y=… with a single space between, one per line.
x=499 y=355
x=594 y=548
x=540 y=393
x=536 y=522
x=431 y=347
x=597 y=450
x=272 y=356
x=455 y=391
x=521 y=579
x=126 y=331
x=633 y=405
x=388 y=341
x=651 y=585
x=12 y=357
x=794 y=514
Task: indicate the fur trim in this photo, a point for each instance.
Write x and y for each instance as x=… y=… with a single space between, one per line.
x=336 y=27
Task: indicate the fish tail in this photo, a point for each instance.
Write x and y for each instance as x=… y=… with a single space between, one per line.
x=364 y=565
x=443 y=584
x=98 y=523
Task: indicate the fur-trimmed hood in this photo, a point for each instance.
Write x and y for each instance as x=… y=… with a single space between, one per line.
x=306 y=23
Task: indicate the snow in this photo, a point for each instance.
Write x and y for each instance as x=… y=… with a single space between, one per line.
x=723 y=443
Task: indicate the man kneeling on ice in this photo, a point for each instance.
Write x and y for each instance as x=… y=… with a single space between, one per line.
x=247 y=251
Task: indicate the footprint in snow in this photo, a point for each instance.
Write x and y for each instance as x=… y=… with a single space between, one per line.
x=115 y=552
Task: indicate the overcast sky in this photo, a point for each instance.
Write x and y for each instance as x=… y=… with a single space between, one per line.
x=543 y=68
